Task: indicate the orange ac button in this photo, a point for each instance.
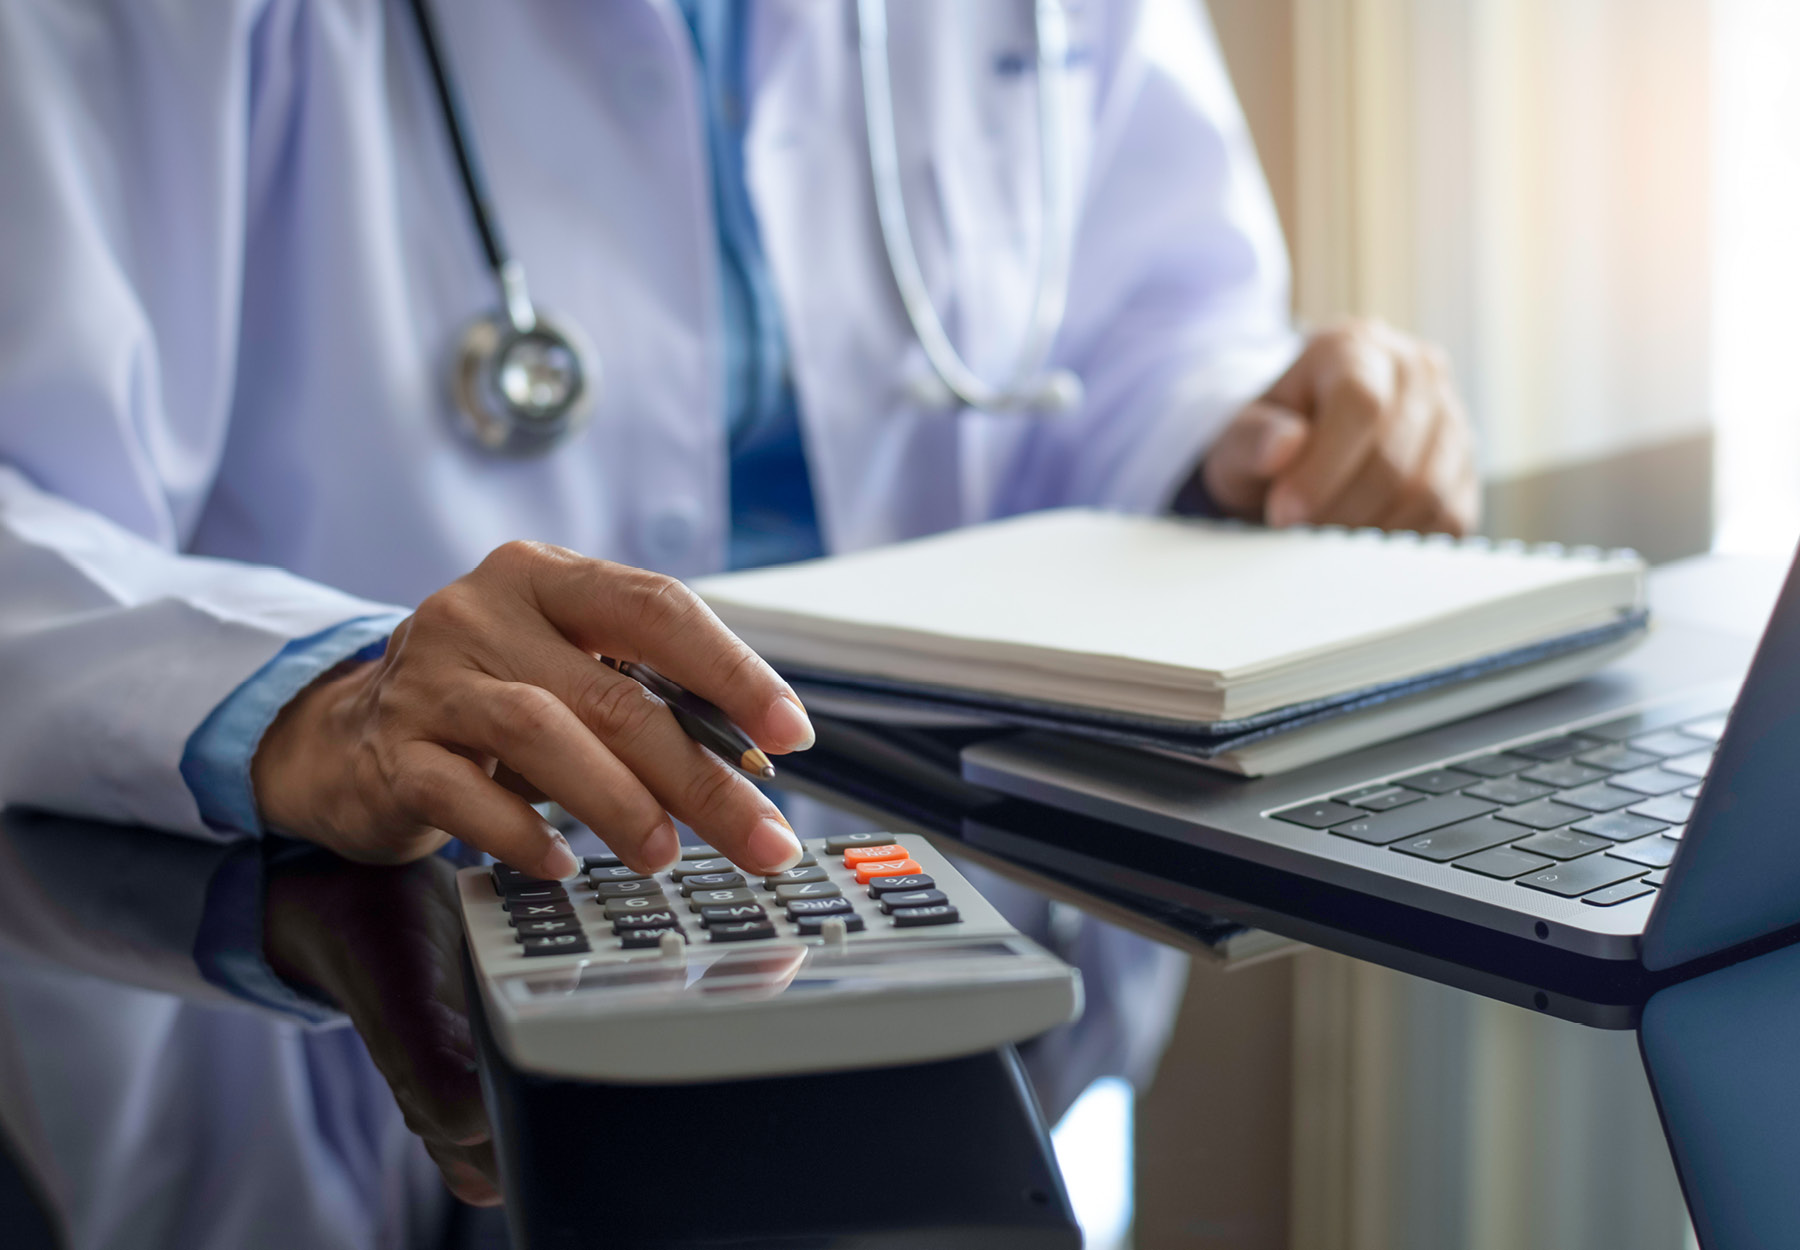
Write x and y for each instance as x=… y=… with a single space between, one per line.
x=865 y=872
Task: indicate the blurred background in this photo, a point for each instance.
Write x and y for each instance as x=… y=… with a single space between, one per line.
x=1593 y=205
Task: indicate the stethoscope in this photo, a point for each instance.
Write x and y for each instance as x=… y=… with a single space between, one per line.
x=523 y=383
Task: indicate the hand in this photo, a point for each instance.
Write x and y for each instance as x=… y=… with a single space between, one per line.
x=1364 y=429
x=382 y=944
x=495 y=677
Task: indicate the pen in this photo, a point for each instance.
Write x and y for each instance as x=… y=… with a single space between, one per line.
x=700 y=720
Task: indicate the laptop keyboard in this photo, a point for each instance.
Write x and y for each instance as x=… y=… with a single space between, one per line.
x=1596 y=814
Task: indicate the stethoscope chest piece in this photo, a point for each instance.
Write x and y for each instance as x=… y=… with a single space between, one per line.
x=520 y=392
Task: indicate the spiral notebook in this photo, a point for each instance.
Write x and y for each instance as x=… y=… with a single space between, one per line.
x=1198 y=636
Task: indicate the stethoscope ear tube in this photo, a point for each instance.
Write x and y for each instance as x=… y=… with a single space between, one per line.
x=1029 y=388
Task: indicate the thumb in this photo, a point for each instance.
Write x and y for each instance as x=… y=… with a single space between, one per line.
x=1253 y=450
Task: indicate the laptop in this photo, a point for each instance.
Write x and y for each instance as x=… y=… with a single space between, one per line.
x=1650 y=814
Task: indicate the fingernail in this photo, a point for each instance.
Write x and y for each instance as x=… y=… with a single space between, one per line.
x=559 y=861
x=662 y=848
x=773 y=846
x=789 y=725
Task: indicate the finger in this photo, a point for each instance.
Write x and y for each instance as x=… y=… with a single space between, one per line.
x=468 y=1171
x=1397 y=460
x=1355 y=390
x=690 y=782
x=447 y=791
x=538 y=736
x=632 y=614
x=1258 y=444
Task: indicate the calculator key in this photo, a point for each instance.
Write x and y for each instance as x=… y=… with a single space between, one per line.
x=506 y=880
x=844 y=841
x=641 y=939
x=657 y=918
x=734 y=913
x=819 y=907
x=1383 y=798
x=1615 y=758
x=1695 y=765
x=698 y=850
x=555 y=944
x=712 y=881
x=604 y=860
x=1318 y=815
x=807 y=889
x=1543 y=814
x=1579 y=876
x=1654 y=851
x=896 y=868
x=914 y=898
x=539 y=911
x=556 y=924
x=719 y=898
x=1560 y=747
x=1436 y=780
x=911 y=881
x=1502 y=764
x=1619 y=826
x=1510 y=790
x=795 y=876
x=1613 y=895
x=1653 y=781
x=809 y=926
x=1562 y=844
x=701 y=868
x=870 y=854
x=533 y=894
x=1670 y=742
x=920 y=917
x=625 y=889
x=1599 y=796
x=1459 y=840
x=1504 y=862
x=1671 y=808
x=616 y=907
x=1405 y=822
x=617 y=872
x=742 y=931
x=1563 y=775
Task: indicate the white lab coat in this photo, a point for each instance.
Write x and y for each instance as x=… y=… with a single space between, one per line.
x=234 y=260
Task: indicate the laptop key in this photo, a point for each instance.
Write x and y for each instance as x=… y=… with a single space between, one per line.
x=1580 y=876
x=1562 y=844
x=1565 y=775
x=1320 y=815
x=1436 y=780
x=1635 y=725
x=1458 y=840
x=1613 y=895
x=1619 y=826
x=1712 y=728
x=1675 y=833
x=1503 y=764
x=1655 y=878
x=1404 y=822
x=1653 y=781
x=1383 y=798
x=1504 y=862
x=1670 y=808
x=1695 y=765
x=1560 y=747
x=1510 y=790
x=1669 y=742
x=1598 y=797
x=1543 y=814
x=1654 y=851
x=1615 y=758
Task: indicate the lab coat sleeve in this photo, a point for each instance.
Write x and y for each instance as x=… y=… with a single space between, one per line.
x=1178 y=302
x=123 y=137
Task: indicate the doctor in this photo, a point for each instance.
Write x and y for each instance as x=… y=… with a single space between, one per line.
x=259 y=570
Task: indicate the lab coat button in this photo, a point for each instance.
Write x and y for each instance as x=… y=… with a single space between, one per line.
x=671 y=533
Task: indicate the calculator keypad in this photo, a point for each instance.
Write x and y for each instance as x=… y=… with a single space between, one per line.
x=859 y=883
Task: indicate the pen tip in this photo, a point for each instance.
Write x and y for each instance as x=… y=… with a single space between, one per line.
x=754 y=762
x=767 y=773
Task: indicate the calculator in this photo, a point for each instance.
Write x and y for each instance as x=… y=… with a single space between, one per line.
x=872 y=951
